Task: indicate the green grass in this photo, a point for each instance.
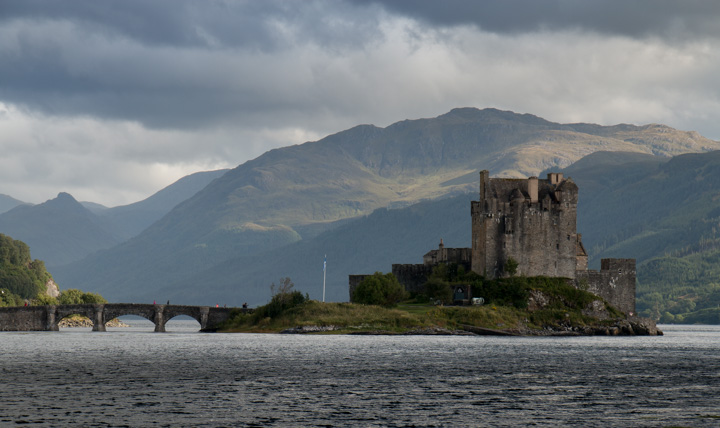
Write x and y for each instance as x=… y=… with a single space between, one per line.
x=564 y=308
x=346 y=316
x=350 y=317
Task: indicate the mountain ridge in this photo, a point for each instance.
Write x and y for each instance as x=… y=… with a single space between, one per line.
x=260 y=206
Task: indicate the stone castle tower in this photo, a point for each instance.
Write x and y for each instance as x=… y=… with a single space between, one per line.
x=531 y=221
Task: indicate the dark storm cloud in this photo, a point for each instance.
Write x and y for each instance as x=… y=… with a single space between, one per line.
x=164 y=63
x=207 y=24
x=670 y=19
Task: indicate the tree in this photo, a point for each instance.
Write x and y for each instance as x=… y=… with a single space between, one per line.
x=93 y=298
x=8 y=298
x=379 y=289
x=437 y=289
x=43 y=299
x=283 y=299
x=18 y=272
x=283 y=288
x=511 y=266
x=71 y=296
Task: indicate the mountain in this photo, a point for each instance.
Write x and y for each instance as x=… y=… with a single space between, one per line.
x=674 y=240
x=94 y=207
x=62 y=230
x=7 y=203
x=364 y=245
x=295 y=193
x=646 y=207
x=129 y=220
x=58 y=231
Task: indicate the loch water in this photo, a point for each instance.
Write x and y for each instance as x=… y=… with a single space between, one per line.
x=134 y=377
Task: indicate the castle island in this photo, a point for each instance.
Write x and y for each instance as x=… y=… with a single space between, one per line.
x=530 y=225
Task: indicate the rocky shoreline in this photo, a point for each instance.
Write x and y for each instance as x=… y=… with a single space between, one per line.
x=625 y=327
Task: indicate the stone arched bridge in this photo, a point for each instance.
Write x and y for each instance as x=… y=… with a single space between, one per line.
x=46 y=318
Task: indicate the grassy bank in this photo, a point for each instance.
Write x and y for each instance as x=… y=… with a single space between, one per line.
x=562 y=306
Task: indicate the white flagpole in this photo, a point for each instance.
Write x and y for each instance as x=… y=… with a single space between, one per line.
x=324 y=271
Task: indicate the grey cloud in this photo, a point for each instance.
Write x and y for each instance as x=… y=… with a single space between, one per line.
x=169 y=63
x=670 y=19
x=205 y=24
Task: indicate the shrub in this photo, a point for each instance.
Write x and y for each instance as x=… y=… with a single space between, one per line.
x=379 y=289
x=93 y=298
x=436 y=289
x=43 y=299
x=283 y=299
x=71 y=296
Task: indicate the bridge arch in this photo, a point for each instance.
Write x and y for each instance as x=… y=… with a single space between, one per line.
x=92 y=311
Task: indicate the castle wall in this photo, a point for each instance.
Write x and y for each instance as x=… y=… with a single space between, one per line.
x=461 y=256
x=412 y=276
x=614 y=282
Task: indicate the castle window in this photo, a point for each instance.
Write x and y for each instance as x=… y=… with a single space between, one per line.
x=557 y=246
x=568 y=237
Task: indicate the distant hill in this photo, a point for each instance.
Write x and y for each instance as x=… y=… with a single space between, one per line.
x=62 y=231
x=58 y=231
x=129 y=220
x=645 y=208
x=365 y=245
x=294 y=193
x=7 y=203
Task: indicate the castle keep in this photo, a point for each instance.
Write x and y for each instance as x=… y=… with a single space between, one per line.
x=530 y=223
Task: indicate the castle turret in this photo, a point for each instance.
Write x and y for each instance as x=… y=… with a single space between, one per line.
x=533 y=189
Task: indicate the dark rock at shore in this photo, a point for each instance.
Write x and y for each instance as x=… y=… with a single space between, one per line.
x=624 y=327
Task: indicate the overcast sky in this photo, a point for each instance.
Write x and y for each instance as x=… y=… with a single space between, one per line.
x=113 y=100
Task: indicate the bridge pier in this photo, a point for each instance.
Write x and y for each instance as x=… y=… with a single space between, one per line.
x=159 y=319
x=204 y=313
x=51 y=318
x=99 y=318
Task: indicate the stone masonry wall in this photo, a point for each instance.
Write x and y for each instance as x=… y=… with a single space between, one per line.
x=412 y=276
x=615 y=282
x=22 y=318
